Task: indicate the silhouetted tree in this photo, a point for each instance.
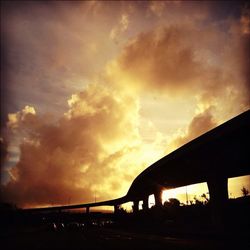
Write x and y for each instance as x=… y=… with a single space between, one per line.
x=197 y=201
x=175 y=202
x=172 y=202
x=205 y=198
x=122 y=210
x=244 y=191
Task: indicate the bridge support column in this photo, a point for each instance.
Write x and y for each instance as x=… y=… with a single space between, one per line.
x=116 y=209
x=158 y=198
x=145 y=204
x=87 y=210
x=135 y=206
x=218 y=192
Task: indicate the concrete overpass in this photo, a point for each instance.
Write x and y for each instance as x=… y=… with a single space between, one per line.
x=213 y=157
x=221 y=153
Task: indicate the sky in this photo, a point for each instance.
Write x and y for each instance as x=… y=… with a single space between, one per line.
x=93 y=92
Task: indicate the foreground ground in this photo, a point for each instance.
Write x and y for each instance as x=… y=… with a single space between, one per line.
x=172 y=228
x=116 y=238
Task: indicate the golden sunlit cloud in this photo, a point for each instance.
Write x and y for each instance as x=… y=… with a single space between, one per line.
x=94 y=147
x=200 y=124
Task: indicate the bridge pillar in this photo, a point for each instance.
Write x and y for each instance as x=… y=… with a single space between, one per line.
x=135 y=206
x=218 y=192
x=158 y=197
x=116 y=209
x=87 y=210
x=145 y=204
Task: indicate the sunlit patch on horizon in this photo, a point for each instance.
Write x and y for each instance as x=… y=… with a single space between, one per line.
x=140 y=205
x=187 y=193
x=236 y=184
x=128 y=206
x=151 y=200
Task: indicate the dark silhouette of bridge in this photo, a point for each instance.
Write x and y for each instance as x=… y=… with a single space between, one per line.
x=213 y=157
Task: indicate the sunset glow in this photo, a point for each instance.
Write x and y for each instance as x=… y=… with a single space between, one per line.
x=94 y=92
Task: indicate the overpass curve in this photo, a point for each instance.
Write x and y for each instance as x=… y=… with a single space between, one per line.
x=221 y=152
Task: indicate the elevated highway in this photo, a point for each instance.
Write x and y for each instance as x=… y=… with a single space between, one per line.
x=222 y=152
x=213 y=157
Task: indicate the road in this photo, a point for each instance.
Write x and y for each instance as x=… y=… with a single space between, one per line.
x=110 y=238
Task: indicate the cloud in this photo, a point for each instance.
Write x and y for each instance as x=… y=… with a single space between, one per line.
x=166 y=58
x=91 y=150
x=120 y=28
x=51 y=50
x=24 y=115
x=157 y=8
x=160 y=59
x=209 y=64
x=200 y=124
x=3 y=151
x=245 y=21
